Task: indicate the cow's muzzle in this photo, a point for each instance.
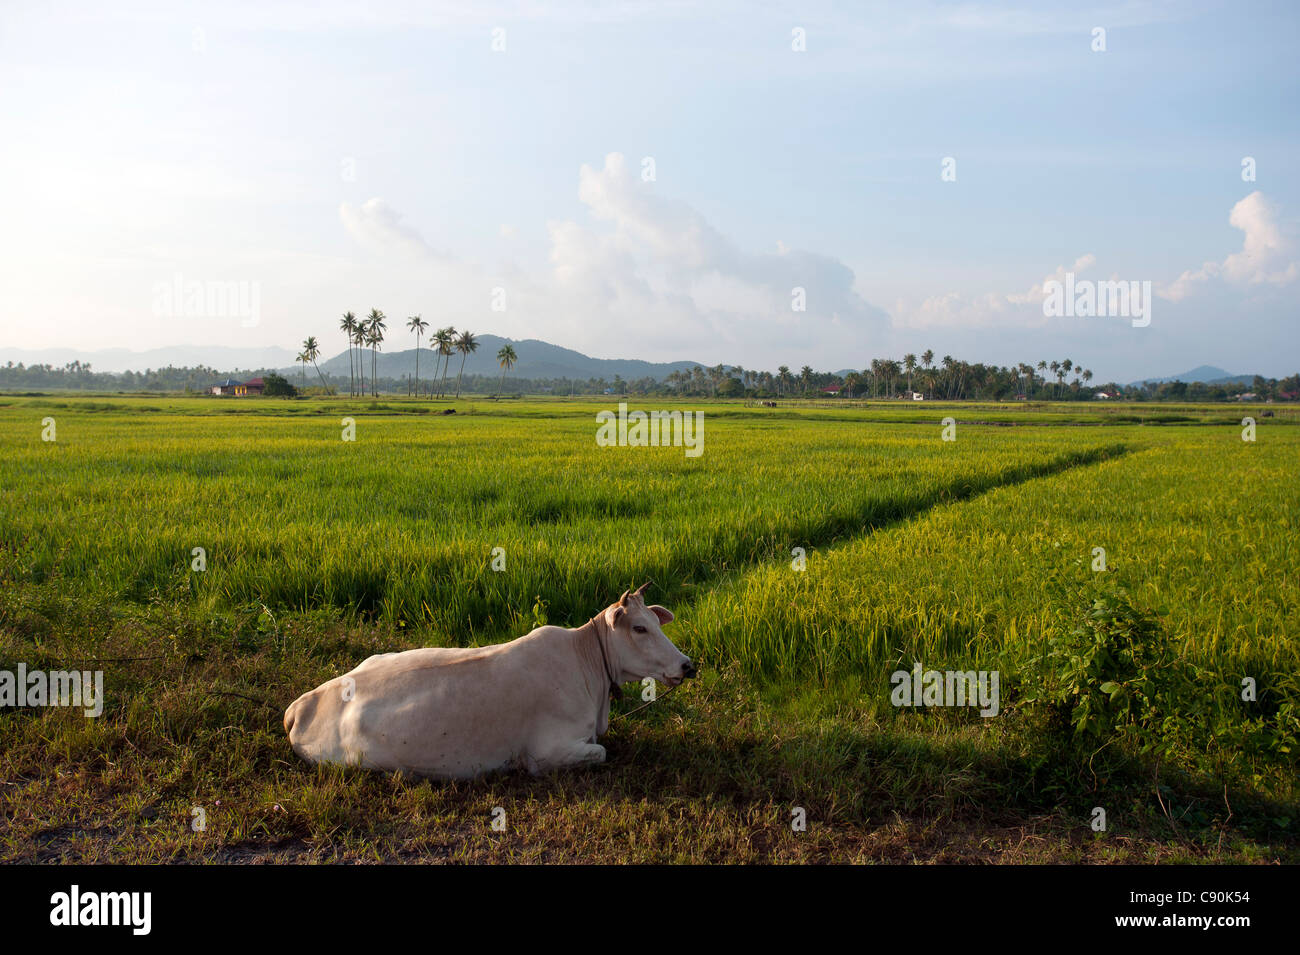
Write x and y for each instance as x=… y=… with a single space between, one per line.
x=688 y=670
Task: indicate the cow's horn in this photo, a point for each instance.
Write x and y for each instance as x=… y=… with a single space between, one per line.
x=623 y=599
x=642 y=589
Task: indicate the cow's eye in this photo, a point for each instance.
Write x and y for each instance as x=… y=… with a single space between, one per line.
x=639 y=629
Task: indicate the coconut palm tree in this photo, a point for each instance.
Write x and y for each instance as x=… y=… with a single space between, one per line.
x=927 y=359
x=302 y=359
x=783 y=376
x=347 y=325
x=506 y=358
x=360 y=335
x=374 y=338
x=465 y=344
x=444 y=339
x=416 y=324
x=311 y=351
x=909 y=363
x=893 y=370
x=806 y=374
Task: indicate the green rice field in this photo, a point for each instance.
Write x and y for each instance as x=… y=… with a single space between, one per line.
x=810 y=552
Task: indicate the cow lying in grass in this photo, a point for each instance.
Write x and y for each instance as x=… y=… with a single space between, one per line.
x=538 y=702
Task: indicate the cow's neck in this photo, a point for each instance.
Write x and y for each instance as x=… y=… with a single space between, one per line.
x=600 y=656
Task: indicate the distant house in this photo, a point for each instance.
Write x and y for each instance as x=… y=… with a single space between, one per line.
x=833 y=391
x=1102 y=395
x=1247 y=396
x=254 y=386
x=1022 y=397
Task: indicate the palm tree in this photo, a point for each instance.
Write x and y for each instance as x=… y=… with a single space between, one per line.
x=311 y=351
x=851 y=382
x=303 y=360
x=506 y=358
x=806 y=374
x=464 y=344
x=348 y=326
x=416 y=324
x=909 y=362
x=359 y=334
x=927 y=358
x=374 y=338
x=784 y=377
x=1056 y=369
x=444 y=339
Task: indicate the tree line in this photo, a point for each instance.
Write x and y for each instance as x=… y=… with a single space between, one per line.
x=947 y=379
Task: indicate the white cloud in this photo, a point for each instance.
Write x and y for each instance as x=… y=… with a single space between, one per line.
x=379 y=224
x=1265 y=256
x=641 y=274
x=661 y=250
x=953 y=309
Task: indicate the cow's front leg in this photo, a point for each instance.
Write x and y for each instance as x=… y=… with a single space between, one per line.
x=577 y=753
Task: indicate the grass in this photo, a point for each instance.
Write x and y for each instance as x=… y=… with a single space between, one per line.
x=958 y=554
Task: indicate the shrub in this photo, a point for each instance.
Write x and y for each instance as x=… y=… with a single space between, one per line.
x=277 y=386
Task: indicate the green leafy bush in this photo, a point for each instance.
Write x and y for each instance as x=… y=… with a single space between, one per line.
x=1108 y=672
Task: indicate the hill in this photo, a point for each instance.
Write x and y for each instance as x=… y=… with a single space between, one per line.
x=1205 y=374
x=537 y=359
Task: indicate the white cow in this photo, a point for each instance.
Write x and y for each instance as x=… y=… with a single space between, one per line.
x=538 y=702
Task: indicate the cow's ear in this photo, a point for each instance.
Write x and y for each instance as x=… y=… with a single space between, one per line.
x=616 y=616
x=663 y=613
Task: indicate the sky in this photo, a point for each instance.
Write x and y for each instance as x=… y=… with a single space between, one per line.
x=787 y=184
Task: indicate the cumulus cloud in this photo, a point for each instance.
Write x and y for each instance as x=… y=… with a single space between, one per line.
x=655 y=248
x=953 y=309
x=378 y=224
x=1265 y=256
x=643 y=273
x=1038 y=292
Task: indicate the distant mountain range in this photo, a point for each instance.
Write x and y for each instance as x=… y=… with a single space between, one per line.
x=1206 y=375
x=537 y=359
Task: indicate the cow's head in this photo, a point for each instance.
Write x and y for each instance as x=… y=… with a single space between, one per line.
x=639 y=644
